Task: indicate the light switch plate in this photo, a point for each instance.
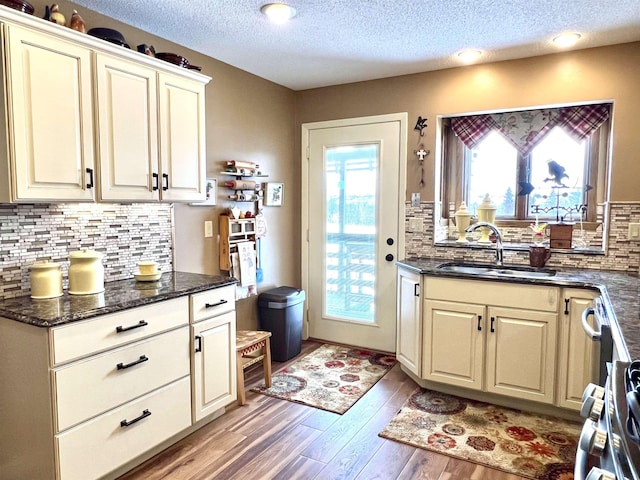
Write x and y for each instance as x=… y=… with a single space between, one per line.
x=634 y=231
x=208 y=229
x=415 y=199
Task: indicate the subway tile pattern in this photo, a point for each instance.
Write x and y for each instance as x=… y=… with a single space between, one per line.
x=620 y=253
x=124 y=233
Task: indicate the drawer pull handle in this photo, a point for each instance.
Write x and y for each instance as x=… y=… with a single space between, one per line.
x=199 y=340
x=145 y=413
x=142 y=359
x=211 y=305
x=141 y=323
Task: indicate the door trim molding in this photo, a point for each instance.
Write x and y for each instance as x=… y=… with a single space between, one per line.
x=402 y=119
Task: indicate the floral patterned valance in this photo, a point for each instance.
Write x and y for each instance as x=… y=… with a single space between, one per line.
x=525 y=129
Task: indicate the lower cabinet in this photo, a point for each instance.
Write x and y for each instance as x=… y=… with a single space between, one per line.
x=214 y=370
x=409 y=321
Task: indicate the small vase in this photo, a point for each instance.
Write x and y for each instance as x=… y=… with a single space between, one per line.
x=462 y=222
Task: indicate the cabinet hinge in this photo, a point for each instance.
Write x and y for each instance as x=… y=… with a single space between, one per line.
x=308 y=153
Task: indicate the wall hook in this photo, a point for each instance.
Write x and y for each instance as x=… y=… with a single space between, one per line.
x=421 y=124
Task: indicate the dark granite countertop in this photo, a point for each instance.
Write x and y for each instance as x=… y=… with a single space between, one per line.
x=119 y=295
x=620 y=294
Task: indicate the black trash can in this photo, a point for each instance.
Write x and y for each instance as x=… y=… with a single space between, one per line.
x=281 y=311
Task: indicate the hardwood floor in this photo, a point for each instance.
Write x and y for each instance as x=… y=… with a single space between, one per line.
x=269 y=438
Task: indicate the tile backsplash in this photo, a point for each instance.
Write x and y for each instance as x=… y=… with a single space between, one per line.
x=124 y=233
x=620 y=253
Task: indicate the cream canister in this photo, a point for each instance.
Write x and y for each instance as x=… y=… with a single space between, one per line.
x=86 y=272
x=46 y=279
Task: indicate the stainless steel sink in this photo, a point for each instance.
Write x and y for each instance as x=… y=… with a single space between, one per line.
x=492 y=269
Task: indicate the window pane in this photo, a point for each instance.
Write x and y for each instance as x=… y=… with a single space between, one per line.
x=558 y=172
x=350 y=226
x=493 y=168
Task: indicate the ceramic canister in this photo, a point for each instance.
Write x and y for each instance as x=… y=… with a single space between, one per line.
x=46 y=279
x=86 y=272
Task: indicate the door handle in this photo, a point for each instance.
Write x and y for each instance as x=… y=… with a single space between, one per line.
x=156 y=182
x=416 y=289
x=566 y=306
x=479 y=323
x=165 y=181
x=199 y=340
x=90 y=172
x=389 y=257
x=493 y=319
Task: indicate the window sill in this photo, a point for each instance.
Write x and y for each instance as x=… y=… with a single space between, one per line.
x=517 y=247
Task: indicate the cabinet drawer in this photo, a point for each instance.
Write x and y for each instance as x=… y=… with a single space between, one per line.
x=90 y=387
x=98 y=446
x=213 y=302
x=76 y=340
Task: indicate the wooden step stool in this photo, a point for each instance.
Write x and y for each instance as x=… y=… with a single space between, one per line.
x=252 y=347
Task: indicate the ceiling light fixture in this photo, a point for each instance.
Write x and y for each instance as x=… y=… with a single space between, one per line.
x=278 y=12
x=566 y=40
x=469 y=56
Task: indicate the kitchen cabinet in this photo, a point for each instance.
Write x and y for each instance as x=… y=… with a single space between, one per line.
x=409 y=320
x=491 y=336
x=127 y=126
x=149 y=130
x=182 y=138
x=48 y=117
x=213 y=328
x=578 y=358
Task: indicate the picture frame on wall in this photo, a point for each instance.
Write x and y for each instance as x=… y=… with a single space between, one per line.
x=211 y=191
x=273 y=194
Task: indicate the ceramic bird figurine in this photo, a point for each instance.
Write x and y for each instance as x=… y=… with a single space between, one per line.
x=557 y=172
x=56 y=16
x=77 y=23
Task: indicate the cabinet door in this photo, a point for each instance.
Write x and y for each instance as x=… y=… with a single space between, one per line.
x=214 y=364
x=521 y=350
x=51 y=113
x=128 y=130
x=453 y=343
x=182 y=138
x=409 y=321
x=577 y=358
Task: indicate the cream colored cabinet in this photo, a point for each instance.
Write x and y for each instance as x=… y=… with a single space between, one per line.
x=213 y=327
x=182 y=138
x=127 y=125
x=409 y=320
x=454 y=343
x=491 y=336
x=80 y=400
x=48 y=118
x=578 y=358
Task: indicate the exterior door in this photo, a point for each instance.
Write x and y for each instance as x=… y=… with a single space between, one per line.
x=353 y=203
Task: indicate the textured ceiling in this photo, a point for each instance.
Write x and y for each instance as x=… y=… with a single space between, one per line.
x=332 y=42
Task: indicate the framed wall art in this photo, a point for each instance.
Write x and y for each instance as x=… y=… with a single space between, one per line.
x=273 y=194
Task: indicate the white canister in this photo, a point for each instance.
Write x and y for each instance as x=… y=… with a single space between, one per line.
x=46 y=279
x=86 y=272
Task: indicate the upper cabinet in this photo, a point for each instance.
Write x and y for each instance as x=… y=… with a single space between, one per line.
x=48 y=119
x=87 y=120
x=182 y=138
x=127 y=126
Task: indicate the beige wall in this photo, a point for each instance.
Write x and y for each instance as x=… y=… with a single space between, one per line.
x=608 y=73
x=248 y=118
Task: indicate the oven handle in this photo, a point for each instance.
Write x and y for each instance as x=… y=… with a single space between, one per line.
x=593 y=334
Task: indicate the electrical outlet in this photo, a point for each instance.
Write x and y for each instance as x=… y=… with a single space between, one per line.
x=208 y=229
x=416 y=224
x=415 y=199
x=634 y=231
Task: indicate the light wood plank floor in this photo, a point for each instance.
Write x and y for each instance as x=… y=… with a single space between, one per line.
x=270 y=438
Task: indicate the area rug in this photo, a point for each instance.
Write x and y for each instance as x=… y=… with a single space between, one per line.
x=532 y=446
x=331 y=377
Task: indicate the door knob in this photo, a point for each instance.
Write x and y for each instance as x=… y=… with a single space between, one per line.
x=389 y=257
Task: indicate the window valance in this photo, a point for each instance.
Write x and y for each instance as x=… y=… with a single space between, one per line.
x=525 y=129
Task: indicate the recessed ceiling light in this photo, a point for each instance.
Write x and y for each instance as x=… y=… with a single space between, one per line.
x=469 y=56
x=278 y=12
x=566 y=39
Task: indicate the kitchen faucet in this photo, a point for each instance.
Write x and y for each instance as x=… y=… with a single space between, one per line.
x=494 y=229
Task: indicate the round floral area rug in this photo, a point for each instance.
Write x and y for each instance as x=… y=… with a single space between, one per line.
x=529 y=445
x=330 y=378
